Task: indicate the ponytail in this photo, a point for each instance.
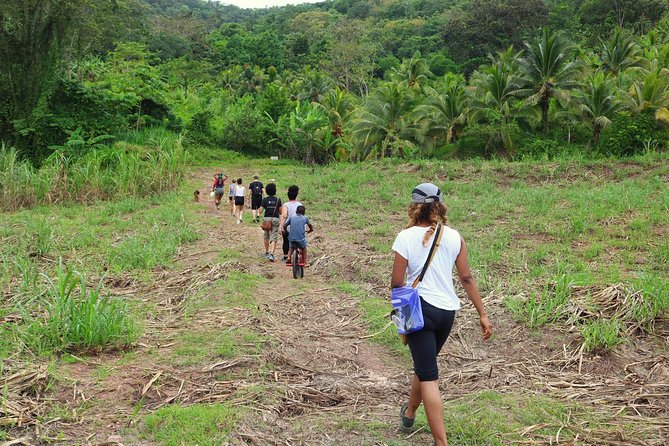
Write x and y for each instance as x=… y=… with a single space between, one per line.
x=433 y=213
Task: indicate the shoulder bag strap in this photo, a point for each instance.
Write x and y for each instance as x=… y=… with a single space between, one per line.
x=276 y=206
x=430 y=256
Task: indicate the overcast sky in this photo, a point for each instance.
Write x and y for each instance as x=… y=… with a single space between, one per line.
x=265 y=3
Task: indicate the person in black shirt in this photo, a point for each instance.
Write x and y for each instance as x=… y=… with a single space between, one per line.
x=271 y=207
x=255 y=189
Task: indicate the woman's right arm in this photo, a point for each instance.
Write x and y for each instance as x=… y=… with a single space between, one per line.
x=469 y=284
x=400 y=265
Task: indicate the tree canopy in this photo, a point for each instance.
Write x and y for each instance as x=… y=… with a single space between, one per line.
x=417 y=76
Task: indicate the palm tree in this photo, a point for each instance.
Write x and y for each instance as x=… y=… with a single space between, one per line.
x=338 y=105
x=413 y=72
x=659 y=59
x=380 y=126
x=549 y=73
x=507 y=60
x=597 y=102
x=313 y=85
x=494 y=99
x=620 y=53
x=496 y=89
x=300 y=134
x=230 y=79
x=651 y=94
x=253 y=79
x=443 y=114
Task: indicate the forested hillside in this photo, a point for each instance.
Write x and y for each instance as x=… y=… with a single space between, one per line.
x=343 y=79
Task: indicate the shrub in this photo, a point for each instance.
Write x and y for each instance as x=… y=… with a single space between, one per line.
x=627 y=135
x=244 y=128
x=199 y=129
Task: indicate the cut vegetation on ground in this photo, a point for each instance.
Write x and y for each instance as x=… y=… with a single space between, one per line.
x=194 y=338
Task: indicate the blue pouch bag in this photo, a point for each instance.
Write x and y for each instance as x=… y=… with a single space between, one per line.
x=407 y=312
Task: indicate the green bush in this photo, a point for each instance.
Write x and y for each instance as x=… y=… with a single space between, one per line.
x=244 y=128
x=628 y=135
x=440 y=64
x=545 y=149
x=199 y=129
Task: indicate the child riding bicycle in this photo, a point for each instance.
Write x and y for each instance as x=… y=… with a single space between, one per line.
x=297 y=233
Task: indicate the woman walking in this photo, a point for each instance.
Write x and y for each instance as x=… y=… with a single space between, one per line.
x=240 y=193
x=231 y=197
x=271 y=209
x=438 y=299
x=218 y=188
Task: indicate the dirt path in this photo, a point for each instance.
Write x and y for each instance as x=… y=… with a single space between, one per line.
x=326 y=373
x=316 y=377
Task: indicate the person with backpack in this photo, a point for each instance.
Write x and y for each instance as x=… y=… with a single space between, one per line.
x=425 y=253
x=218 y=188
x=256 y=189
x=271 y=210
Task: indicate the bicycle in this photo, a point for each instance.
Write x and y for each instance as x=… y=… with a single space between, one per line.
x=298 y=259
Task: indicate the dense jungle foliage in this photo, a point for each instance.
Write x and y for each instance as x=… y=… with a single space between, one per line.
x=341 y=79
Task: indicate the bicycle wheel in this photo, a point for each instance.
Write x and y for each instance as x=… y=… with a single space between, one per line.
x=300 y=262
x=296 y=267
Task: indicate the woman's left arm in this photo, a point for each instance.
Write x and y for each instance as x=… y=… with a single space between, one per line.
x=400 y=265
x=469 y=284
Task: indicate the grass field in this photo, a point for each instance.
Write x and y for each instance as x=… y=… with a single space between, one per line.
x=569 y=255
x=536 y=232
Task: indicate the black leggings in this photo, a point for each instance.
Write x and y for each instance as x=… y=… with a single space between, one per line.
x=425 y=344
x=286 y=245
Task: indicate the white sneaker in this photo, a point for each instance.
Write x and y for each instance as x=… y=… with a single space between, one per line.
x=238 y=222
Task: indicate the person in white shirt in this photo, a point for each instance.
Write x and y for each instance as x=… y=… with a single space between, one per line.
x=288 y=210
x=240 y=192
x=438 y=299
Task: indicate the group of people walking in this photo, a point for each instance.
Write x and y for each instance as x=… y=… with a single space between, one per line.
x=426 y=252
x=278 y=217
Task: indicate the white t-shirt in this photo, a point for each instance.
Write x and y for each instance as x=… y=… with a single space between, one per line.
x=437 y=286
x=291 y=206
x=239 y=191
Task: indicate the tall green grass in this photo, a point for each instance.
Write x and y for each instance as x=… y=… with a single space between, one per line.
x=143 y=164
x=74 y=317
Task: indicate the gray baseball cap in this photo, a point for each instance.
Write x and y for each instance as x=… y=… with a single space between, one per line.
x=425 y=193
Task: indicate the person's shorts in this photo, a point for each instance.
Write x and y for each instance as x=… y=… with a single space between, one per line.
x=256 y=201
x=230 y=198
x=425 y=344
x=239 y=201
x=273 y=234
x=219 y=191
x=298 y=243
